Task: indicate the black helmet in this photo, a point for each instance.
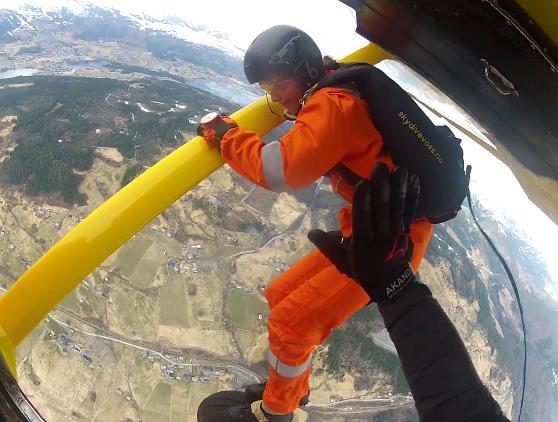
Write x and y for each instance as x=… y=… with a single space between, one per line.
x=284 y=50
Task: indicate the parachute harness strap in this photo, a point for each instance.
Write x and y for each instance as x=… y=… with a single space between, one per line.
x=516 y=292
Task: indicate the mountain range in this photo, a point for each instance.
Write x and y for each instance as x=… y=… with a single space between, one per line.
x=18 y=15
x=166 y=37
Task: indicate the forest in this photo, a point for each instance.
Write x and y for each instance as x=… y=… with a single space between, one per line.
x=60 y=120
x=44 y=167
x=352 y=350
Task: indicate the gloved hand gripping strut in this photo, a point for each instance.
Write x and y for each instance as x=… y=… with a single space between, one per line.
x=377 y=256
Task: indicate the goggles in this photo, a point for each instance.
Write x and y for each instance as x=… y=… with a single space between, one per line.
x=274 y=85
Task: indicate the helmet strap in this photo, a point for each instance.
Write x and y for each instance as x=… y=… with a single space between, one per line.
x=307 y=94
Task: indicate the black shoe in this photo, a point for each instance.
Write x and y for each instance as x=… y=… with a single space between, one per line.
x=215 y=408
x=230 y=406
x=254 y=392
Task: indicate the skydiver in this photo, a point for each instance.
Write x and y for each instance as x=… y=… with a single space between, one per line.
x=332 y=126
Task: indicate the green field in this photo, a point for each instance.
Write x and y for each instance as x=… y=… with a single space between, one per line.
x=52 y=325
x=97 y=303
x=180 y=399
x=47 y=232
x=131 y=253
x=198 y=392
x=244 y=308
x=146 y=270
x=132 y=311
x=158 y=406
x=174 y=309
x=172 y=246
x=245 y=340
x=71 y=302
x=97 y=277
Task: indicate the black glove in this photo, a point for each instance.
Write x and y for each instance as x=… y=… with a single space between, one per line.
x=377 y=256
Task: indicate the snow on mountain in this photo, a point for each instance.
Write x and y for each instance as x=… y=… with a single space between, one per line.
x=12 y=21
x=151 y=20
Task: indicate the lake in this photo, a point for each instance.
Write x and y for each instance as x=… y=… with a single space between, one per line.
x=14 y=73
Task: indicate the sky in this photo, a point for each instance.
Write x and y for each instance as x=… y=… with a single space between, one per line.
x=331 y=23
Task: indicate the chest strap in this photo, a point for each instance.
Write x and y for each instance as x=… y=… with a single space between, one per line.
x=346 y=173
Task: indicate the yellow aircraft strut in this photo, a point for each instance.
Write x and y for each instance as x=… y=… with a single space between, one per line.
x=93 y=240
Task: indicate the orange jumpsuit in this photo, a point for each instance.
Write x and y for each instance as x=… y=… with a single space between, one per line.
x=312 y=298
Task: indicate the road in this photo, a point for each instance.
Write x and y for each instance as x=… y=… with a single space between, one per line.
x=269 y=242
x=312 y=203
x=204 y=356
x=233 y=368
x=351 y=406
x=360 y=412
x=252 y=189
x=108 y=100
x=381 y=339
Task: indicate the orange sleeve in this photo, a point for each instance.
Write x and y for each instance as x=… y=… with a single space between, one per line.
x=242 y=150
x=318 y=140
